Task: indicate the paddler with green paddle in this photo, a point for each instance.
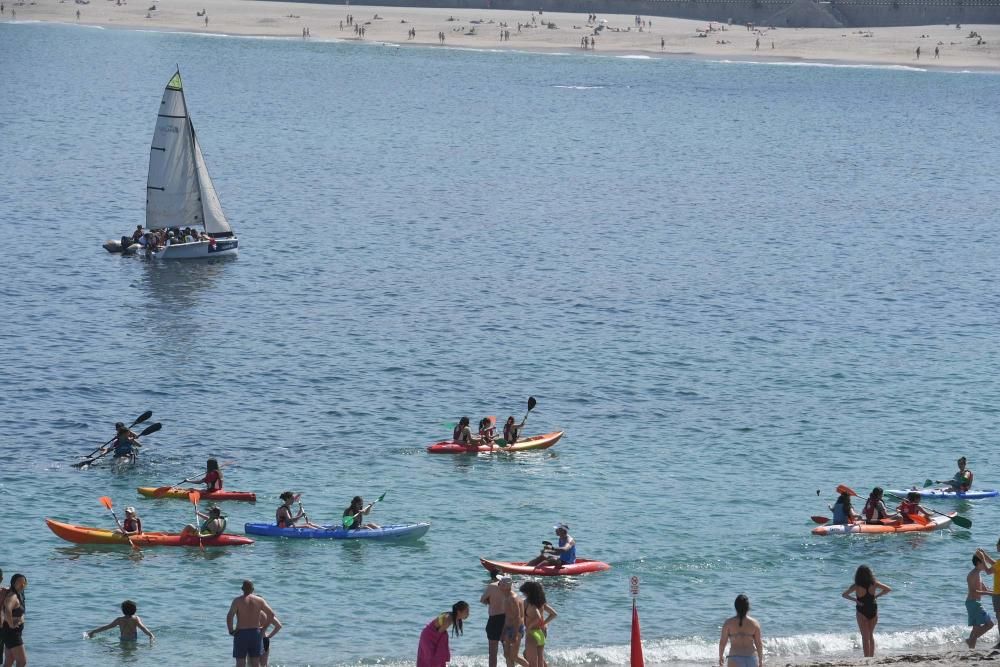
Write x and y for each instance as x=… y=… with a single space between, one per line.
x=352 y=515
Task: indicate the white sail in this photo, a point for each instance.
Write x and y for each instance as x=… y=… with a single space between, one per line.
x=179 y=191
x=215 y=220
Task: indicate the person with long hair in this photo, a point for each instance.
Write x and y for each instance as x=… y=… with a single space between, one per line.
x=742 y=634
x=462 y=433
x=863 y=592
x=433 y=649
x=212 y=478
x=875 y=510
x=843 y=513
x=356 y=511
x=537 y=616
x=12 y=622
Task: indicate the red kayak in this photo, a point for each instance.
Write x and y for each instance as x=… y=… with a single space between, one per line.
x=581 y=566
x=245 y=496
x=543 y=441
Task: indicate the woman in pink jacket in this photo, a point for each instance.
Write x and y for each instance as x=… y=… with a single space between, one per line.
x=433 y=648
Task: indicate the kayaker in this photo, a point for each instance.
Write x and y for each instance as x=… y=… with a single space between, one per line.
x=875 y=509
x=843 y=513
x=132 y=525
x=494 y=598
x=511 y=431
x=125 y=443
x=212 y=478
x=911 y=507
x=128 y=624
x=863 y=592
x=283 y=516
x=433 y=649
x=12 y=622
x=742 y=633
x=487 y=431
x=962 y=481
x=513 y=629
x=979 y=620
x=562 y=554
x=357 y=510
x=250 y=613
x=462 y=433
x=537 y=616
x=214 y=523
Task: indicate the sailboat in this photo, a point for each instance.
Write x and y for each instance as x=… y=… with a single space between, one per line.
x=179 y=191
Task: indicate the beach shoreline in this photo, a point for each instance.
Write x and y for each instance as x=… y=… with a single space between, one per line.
x=515 y=31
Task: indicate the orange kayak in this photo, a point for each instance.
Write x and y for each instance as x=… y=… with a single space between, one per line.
x=88 y=535
x=851 y=528
x=543 y=441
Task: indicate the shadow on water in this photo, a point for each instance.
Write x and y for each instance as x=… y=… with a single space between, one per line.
x=179 y=285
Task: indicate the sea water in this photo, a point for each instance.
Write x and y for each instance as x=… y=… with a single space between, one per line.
x=732 y=285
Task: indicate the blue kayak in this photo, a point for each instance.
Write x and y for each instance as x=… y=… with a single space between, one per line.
x=945 y=494
x=409 y=531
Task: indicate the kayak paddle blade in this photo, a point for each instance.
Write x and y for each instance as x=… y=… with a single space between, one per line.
x=819 y=519
x=531 y=403
x=106 y=502
x=843 y=488
x=381 y=497
x=143 y=417
x=918 y=518
x=961 y=521
x=195 y=497
x=152 y=428
x=928 y=482
x=348 y=521
x=161 y=491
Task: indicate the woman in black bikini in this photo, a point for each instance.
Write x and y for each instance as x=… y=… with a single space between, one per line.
x=862 y=593
x=12 y=622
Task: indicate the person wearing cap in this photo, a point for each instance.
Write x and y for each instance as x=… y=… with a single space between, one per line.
x=132 y=525
x=493 y=596
x=562 y=554
x=214 y=523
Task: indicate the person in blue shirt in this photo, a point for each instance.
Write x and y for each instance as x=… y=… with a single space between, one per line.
x=562 y=554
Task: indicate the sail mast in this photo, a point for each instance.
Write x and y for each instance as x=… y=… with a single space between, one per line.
x=197 y=181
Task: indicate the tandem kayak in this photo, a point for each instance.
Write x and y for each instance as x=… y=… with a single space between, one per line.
x=409 y=531
x=581 y=566
x=543 y=441
x=945 y=494
x=245 y=496
x=877 y=528
x=88 y=535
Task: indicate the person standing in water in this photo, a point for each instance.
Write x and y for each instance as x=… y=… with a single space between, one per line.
x=863 y=592
x=493 y=597
x=12 y=623
x=537 y=616
x=433 y=649
x=250 y=612
x=979 y=620
x=742 y=633
x=127 y=624
x=513 y=630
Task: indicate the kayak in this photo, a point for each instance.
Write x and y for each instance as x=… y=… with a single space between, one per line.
x=945 y=494
x=245 y=496
x=88 y=535
x=543 y=441
x=878 y=528
x=410 y=531
x=581 y=566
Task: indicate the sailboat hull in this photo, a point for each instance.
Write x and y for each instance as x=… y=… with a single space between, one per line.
x=228 y=247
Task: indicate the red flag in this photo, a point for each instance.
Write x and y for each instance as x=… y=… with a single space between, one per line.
x=636 y=660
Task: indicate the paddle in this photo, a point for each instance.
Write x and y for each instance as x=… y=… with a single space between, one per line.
x=194 y=497
x=958 y=520
x=106 y=501
x=152 y=428
x=161 y=491
x=819 y=519
x=349 y=519
x=141 y=418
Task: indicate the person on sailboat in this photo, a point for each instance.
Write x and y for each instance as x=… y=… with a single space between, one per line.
x=137 y=234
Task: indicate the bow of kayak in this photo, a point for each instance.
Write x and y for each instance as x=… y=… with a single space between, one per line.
x=543 y=441
x=946 y=494
x=410 y=531
x=244 y=496
x=581 y=566
x=878 y=528
x=89 y=535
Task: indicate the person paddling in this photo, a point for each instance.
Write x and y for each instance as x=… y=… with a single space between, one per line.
x=124 y=443
x=875 y=509
x=357 y=510
x=214 y=523
x=562 y=554
x=283 y=515
x=512 y=431
x=843 y=513
x=487 y=431
x=911 y=507
x=962 y=481
x=212 y=478
x=132 y=525
x=462 y=433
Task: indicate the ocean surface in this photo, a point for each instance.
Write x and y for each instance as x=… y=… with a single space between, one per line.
x=733 y=285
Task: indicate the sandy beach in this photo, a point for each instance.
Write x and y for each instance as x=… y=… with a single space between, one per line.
x=553 y=32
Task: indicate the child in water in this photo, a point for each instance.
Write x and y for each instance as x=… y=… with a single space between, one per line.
x=126 y=624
